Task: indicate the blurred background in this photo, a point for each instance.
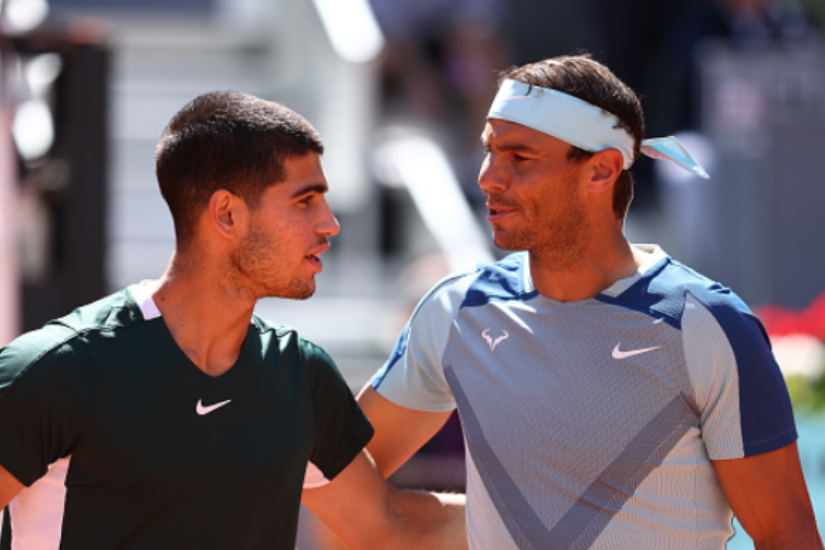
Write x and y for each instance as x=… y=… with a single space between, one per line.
x=399 y=90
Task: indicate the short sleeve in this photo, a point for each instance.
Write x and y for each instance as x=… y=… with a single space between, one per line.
x=743 y=402
x=413 y=376
x=341 y=429
x=47 y=396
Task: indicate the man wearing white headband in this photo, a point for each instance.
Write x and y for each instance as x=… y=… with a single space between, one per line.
x=611 y=398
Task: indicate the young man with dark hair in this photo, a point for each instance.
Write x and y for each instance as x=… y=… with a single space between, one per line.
x=168 y=415
x=610 y=397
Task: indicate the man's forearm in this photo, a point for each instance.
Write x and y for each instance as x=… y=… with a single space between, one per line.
x=367 y=513
x=428 y=520
x=803 y=536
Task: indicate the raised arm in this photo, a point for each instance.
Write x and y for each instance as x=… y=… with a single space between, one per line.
x=399 y=431
x=367 y=513
x=768 y=495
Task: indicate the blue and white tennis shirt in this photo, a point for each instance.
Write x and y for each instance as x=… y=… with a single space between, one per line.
x=591 y=424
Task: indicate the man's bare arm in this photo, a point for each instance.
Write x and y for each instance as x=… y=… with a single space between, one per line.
x=9 y=487
x=768 y=495
x=399 y=431
x=367 y=513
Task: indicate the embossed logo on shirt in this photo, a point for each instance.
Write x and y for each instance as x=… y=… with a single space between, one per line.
x=494 y=341
x=202 y=409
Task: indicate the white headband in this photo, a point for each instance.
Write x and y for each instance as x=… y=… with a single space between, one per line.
x=581 y=124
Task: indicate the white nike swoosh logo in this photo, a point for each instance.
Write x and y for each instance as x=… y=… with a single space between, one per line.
x=619 y=354
x=202 y=410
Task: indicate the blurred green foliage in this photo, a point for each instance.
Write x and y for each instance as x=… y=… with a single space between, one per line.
x=807 y=395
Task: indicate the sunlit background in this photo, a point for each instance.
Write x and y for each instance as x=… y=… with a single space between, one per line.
x=399 y=89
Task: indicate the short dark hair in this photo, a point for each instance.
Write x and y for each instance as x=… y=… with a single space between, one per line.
x=227 y=140
x=583 y=77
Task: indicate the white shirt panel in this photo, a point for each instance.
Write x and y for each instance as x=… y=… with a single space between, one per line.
x=709 y=358
x=37 y=512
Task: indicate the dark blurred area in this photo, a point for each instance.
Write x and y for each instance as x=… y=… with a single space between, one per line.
x=55 y=82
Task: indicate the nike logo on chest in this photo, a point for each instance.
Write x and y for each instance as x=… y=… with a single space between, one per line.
x=202 y=409
x=624 y=354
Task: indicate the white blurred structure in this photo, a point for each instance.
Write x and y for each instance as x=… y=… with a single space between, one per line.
x=423 y=168
x=9 y=272
x=21 y=16
x=351 y=28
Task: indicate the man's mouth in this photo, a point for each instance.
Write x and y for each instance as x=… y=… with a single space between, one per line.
x=314 y=257
x=498 y=211
x=316 y=262
x=319 y=250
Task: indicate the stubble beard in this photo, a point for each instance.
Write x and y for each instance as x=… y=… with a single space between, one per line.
x=555 y=244
x=564 y=247
x=255 y=268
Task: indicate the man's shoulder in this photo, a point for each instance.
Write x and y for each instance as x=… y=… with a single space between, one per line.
x=61 y=338
x=666 y=290
x=117 y=310
x=501 y=280
x=685 y=281
x=263 y=326
x=299 y=353
x=506 y=279
x=285 y=337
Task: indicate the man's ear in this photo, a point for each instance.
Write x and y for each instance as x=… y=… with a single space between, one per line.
x=227 y=213
x=604 y=169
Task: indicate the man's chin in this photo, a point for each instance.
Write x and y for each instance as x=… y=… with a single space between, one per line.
x=305 y=296
x=508 y=242
x=302 y=294
x=294 y=292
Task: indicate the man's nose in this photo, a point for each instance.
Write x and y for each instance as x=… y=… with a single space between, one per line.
x=491 y=178
x=329 y=226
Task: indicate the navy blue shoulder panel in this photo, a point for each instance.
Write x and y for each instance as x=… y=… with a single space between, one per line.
x=662 y=291
x=767 y=416
x=501 y=281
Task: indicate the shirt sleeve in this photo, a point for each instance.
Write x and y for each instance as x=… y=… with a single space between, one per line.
x=743 y=402
x=341 y=428
x=47 y=396
x=413 y=376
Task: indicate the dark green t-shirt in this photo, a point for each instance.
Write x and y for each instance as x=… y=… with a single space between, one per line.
x=161 y=455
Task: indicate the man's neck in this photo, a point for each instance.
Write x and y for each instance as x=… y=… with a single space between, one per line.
x=598 y=268
x=207 y=320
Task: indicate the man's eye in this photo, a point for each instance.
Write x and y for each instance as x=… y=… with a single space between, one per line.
x=519 y=158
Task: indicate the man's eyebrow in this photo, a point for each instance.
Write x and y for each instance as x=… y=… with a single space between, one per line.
x=319 y=188
x=511 y=146
x=503 y=145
